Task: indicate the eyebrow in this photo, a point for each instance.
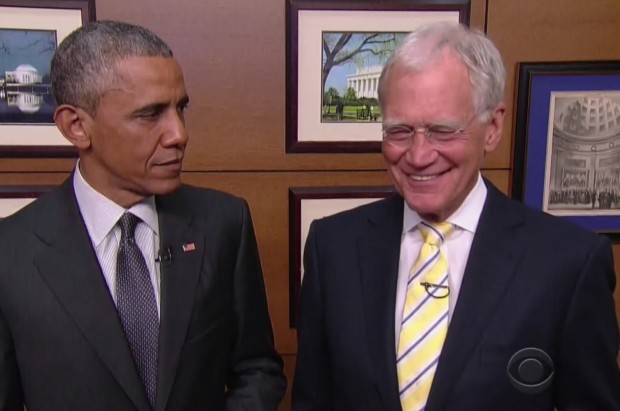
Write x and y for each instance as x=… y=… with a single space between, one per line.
x=446 y=123
x=150 y=108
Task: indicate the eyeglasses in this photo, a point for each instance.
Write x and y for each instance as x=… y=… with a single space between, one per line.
x=436 y=290
x=401 y=135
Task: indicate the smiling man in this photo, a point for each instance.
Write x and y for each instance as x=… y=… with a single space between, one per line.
x=448 y=295
x=124 y=289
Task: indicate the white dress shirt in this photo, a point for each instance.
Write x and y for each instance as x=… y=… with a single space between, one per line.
x=101 y=215
x=456 y=247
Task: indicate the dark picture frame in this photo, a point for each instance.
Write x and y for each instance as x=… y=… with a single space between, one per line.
x=309 y=203
x=24 y=98
x=566 y=150
x=13 y=198
x=356 y=129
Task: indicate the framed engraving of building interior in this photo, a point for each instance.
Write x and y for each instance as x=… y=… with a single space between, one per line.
x=567 y=142
x=309 y=203
x=30 y=31
x=335 y=53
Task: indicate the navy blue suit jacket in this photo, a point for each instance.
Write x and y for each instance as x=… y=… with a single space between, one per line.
x=62 y=346
x=531 y=280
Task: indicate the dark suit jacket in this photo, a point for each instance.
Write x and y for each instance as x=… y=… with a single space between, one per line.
x=62 y=346
x=531 y=280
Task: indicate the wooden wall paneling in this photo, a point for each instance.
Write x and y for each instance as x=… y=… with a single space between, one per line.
x=289 y=371
x=23 y=179
x=499 y=178
x=478 y=14
x=26 y=165
x=554 y=30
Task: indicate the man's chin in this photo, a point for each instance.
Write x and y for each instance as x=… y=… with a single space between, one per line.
x=163 y=187
x=429 y=210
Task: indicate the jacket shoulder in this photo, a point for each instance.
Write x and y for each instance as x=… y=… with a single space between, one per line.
x=206 y=202
x=380 y=210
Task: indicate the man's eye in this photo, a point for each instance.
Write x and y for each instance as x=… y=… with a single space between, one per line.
x=150 y=115
x=441 y=130
x=398 y=133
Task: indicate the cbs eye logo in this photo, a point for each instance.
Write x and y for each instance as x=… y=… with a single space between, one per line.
x=530 y=370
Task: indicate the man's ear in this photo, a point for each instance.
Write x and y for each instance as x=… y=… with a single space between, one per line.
x=495 y=128
x=71 y=121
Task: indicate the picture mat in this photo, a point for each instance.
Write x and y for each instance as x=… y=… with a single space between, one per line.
x=9 y=206
x=311 y=25
x=63 y=21
x=312 y=209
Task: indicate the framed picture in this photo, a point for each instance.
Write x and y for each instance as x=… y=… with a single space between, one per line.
x=30 y=31
x=13 y=198
x=310 y=203
x=566 y=158
x=335 y=53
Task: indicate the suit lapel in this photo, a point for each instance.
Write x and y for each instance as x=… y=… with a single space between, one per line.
x=179 y=280
x=66 y=261
x=490 y=267
x=379 y=250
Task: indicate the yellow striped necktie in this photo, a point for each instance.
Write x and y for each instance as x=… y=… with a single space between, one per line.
x=425 y=319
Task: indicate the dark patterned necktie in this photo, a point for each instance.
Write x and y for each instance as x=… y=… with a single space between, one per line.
x=136 y=305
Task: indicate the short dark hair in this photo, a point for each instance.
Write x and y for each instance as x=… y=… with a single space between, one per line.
x=84 y=64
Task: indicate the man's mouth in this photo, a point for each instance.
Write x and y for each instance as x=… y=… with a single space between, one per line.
x=425 y=177
x=170 y=162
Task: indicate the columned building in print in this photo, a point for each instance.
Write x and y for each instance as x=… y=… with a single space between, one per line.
x=23 y=74
x=584 y=170
x=365 y=81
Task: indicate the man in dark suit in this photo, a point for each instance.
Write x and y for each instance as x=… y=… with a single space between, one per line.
x=164 y=310
x=449 y=295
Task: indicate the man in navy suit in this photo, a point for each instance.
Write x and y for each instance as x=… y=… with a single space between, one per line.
x=123 y=289
x=531 y=322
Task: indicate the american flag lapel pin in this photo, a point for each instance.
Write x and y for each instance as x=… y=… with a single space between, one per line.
x=188 y=247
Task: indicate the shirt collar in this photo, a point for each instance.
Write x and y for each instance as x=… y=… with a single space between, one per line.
x=101 y=214
x=465 y=217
